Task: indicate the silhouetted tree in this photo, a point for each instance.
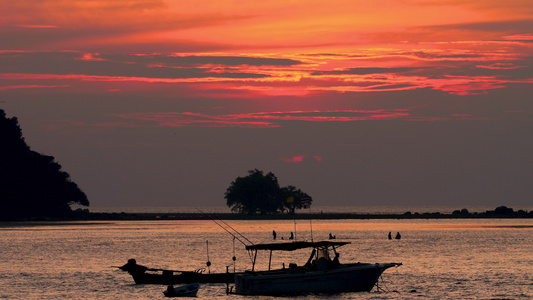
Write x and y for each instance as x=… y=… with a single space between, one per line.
x=260 y=193
x=296 y=195
x=463 y=211
x=255 y=193
x=32 y=184
x=503 y=210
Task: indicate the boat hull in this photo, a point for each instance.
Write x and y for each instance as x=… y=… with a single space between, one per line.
x=189 y=290
x=347 y=278
x=170 y=278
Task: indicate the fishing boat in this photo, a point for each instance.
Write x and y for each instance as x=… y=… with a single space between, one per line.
x=320 y=274
x=188 y=290
x=145 y=275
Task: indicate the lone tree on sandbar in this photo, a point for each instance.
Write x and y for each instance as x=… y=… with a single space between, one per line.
x=260 y=193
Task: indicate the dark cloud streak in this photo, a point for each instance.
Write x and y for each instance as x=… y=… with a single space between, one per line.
x=128 y=66
x=511 y=26
x=365 y=71
x=186 y=61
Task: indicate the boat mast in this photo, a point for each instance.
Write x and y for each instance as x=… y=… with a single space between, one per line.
x=253 y=262
x=208 y=263
x=311 y=224
x=270 y=260
x=234 y=258
x=295 y=228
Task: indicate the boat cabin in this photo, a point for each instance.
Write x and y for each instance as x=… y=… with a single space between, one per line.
x=320 y=258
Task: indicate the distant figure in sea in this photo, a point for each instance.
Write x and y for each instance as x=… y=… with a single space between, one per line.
x=292 y=236
x=170 y=291
x=331 y=237
x=274 y=234
x=398 y=236
x=390 y=235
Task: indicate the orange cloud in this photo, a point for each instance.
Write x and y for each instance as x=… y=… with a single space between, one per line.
x=272 y=49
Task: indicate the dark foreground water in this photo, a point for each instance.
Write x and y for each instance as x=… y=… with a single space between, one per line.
x=443 y=259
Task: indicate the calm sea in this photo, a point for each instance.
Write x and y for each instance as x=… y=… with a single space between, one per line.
x=442 y=259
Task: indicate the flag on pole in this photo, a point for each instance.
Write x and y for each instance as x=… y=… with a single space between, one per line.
x=306 y=202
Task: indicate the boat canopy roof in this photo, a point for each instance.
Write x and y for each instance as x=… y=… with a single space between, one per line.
x=294 y=245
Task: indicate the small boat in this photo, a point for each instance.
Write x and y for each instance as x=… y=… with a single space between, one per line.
x=320 y=274
x=188 y=290
x=145 y=275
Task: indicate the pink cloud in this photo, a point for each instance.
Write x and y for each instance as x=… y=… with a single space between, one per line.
x=91 y=57
x=294 y=159
x=231 y=75
x=35 y=26
x=67 y=123
x=30 y=86
x=501 y=66
x=519 y=37
x=473 y=88
x=262 y=119
x=300 y=158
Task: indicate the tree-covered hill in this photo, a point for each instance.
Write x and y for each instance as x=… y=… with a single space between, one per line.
x=32 y=185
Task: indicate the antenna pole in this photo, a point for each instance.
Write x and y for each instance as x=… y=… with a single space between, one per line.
x=295 y=227
x=234 y=258
x=311 y=224
x=208 y=261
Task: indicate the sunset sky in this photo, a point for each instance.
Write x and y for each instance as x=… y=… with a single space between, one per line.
x=165 y=103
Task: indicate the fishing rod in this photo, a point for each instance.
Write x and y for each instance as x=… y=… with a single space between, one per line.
x=231 y=233
x=237 y=232
x=225 y=229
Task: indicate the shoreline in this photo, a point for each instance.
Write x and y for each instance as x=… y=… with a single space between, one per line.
x=88 y=216
x=317 y=216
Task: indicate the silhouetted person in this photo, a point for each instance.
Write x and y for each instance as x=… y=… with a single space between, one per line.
x=330 y=236
x=336 y=262
x=133 y=267
x=274 y=234
x=292 y=236
x=390 y=235
x=398 y=236
x=170 y=290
